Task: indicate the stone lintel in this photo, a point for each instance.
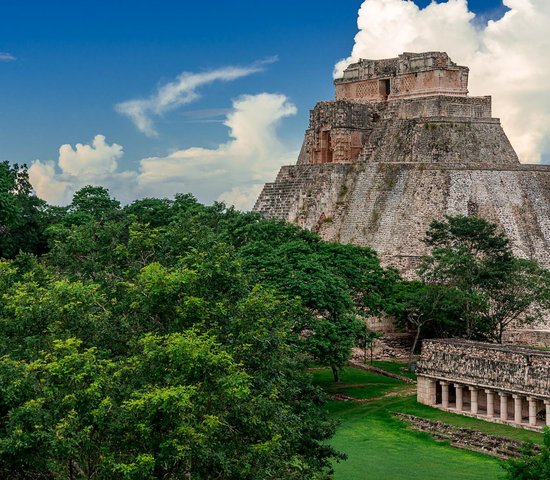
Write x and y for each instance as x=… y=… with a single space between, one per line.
x=449 y=119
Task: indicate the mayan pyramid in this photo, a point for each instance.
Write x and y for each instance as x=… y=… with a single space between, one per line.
x=403 y=144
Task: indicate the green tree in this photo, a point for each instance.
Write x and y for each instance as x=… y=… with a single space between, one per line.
x=470 y=254
x=185 y=365
x=336 y=284
x=95 y=202
x=23 y=216
x=524 y=298
x=366 y=340
x=530 y=465
x=434 y=309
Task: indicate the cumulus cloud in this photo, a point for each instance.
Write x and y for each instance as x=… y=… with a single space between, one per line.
x=82 y=165
x=6 y=57
x=181 y=91
x=233 y=172
x=508 y=58
x=236 y=170
x=243 y=198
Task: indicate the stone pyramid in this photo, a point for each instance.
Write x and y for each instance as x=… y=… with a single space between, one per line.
x=403 y=144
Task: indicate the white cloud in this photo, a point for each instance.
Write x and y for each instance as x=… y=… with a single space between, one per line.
x=233 y=172
x=242 y=198
x=181 y=91
x=89 y=160
x=508 y=58
x=79 y=166
x=6 y=57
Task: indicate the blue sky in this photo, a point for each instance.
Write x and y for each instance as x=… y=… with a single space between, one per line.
x=75 y=61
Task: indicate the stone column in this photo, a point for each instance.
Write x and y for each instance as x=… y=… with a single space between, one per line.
x=425 y=390
x=459 y=404
x=473 y=400
x=490 y=403
x=503 y=405
x=444 y=394
x=547 y=404
x=517 y=409
x=532 y=411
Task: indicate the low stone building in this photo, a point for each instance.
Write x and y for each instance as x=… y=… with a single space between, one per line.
x=500 y=383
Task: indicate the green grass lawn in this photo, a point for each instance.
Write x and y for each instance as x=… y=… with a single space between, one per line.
x=356 y=383
x=381 y=447
x=401 y=368
x=410 y=406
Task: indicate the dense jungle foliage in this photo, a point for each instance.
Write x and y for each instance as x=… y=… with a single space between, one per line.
x=167 y=339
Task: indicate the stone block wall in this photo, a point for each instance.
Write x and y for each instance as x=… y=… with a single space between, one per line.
x=435 y=129
x=337 y=132
x=304 y=191
x=340 y=114
x=441 y=106
x=389 y=206
x=439 y=140
x=425 y=391
x=408 y=76
x=535 y=338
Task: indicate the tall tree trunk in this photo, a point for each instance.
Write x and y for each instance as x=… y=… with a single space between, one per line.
x=500 y=332
x=371 y=350
x=413 y=348
x=335 y=374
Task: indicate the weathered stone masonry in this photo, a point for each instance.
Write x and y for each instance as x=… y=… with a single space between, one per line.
x=409 y=75
x=504 y=384
x=401 y=146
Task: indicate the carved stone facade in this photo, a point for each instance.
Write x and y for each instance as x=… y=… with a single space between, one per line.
x=337 y=133
x=505 y=384
x=409 y=75
x=376 y=171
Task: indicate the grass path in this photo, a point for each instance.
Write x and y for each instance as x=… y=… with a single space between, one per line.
x=381 y=447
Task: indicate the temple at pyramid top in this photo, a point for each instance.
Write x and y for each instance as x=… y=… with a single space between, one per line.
x=410 y=75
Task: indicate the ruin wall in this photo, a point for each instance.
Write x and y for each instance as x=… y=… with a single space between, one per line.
x=435 y=129
x=408 y=76
x=513 y=369
x=466 y=108
x=534 y=337
x=440 y=140
x=389 y=206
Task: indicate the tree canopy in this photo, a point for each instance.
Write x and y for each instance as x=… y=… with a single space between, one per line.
x=472 y=257
x=23 y=216
x=167 y=339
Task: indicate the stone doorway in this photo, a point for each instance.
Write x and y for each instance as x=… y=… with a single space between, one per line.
x=326 y=147
x=384 y=88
